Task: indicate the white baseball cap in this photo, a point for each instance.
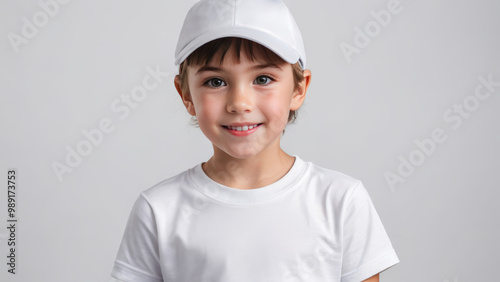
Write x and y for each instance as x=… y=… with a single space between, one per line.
x=267 y=22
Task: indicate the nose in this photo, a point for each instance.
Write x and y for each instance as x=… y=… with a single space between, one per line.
x=240 y=99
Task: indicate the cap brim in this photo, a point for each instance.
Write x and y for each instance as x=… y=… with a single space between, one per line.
x=267 y=40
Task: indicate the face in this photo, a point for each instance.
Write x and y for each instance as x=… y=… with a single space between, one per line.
x=242 y=108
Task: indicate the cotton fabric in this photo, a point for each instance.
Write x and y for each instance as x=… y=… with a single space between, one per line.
x=313 y=224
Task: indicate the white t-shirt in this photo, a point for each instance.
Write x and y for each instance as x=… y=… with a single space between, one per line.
x=313 y=224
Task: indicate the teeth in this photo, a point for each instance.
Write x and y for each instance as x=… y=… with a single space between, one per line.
x=242 y=128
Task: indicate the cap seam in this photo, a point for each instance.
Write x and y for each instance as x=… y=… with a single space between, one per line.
x=290 y=16
x=234 y=13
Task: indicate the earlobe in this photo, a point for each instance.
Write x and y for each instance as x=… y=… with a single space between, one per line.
x=186 y=97
x=299 y=94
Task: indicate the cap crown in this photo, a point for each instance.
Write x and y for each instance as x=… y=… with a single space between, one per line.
x=267 y=22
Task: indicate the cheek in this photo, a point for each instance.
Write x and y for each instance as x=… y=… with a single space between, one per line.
x=206 y=114
x=207 y=108
x=280 y=98
x=276 y=110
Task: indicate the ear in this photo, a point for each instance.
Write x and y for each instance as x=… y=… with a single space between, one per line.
x=299 y=94
x=186 y=97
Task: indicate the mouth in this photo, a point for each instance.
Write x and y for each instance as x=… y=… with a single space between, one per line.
x=243 y=128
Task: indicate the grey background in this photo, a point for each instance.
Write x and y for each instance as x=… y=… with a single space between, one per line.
x=358 y=118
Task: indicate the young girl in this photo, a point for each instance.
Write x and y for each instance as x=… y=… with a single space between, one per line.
x=251 y=212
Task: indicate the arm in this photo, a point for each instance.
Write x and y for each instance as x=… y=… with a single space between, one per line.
x=374 y=278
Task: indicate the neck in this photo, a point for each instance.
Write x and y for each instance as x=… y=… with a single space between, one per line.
x=248 y=173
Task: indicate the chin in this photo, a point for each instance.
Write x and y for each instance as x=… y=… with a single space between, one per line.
x=244 y=152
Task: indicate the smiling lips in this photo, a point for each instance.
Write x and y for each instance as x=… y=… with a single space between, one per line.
x=242 y=130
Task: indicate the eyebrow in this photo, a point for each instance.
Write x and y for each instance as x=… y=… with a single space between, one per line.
x=256 y=67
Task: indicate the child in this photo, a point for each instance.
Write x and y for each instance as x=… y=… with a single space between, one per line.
x=251 y=212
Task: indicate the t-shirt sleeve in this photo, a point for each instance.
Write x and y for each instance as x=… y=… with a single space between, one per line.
x=367 y=249
x=138 y=256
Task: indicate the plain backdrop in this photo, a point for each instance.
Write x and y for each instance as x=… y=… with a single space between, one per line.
x=364 y=115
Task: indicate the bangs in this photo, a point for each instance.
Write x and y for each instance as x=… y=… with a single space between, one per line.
x=216 y=50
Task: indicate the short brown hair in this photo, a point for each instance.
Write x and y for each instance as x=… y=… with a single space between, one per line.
x=254 y=51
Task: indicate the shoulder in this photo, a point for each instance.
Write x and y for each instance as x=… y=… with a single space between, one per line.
x=167 y=190
x=331 y=178
x=333 y=185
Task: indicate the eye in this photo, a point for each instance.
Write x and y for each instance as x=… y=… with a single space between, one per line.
x=215 y=82
x=263 y=80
